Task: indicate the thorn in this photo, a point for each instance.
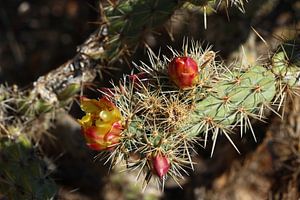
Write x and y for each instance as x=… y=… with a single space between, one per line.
x=231 y=141
x=205 y=19
x=215 y=136
x=264 y=41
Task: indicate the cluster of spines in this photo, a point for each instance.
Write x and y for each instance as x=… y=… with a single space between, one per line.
x=285 y=66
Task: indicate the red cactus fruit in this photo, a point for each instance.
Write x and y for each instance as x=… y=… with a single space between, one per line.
x=161 y=165
x=183 y=71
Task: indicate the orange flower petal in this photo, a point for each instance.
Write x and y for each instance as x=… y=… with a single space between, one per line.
x=113 y=136
x=106 y=116
x=106 y=103
x=92 y=134
x=103 y=128
x=116 y=114
x=86 y=120
x=89 y=105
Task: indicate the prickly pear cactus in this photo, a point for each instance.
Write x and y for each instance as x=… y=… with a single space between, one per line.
x=22 y=174
x=176 y=103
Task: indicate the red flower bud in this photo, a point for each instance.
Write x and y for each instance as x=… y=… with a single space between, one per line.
x=161 y=165
x=183 y=71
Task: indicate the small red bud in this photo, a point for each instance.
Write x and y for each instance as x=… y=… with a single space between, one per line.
x=183 y=71
x=161 y=165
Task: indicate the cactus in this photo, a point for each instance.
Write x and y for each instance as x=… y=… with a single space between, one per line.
x=23 y=175
x=163 y=122
x=153 y=119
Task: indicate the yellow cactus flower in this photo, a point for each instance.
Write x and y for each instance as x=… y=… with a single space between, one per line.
x=101 y=124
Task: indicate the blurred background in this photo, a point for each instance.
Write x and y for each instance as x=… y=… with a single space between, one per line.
x=38 y=36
